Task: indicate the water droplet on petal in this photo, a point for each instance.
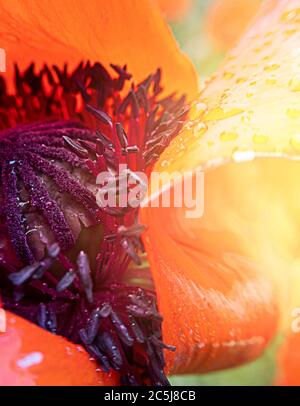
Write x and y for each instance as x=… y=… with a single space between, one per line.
x=271 y=81
x=228 y=136
x=228 y=75
x=197 y=110
x=241 y=80
x=295 y=142
x=260 y=139
x=165 y=163
x=291 y=32
x=291 y=16
x=199 y=130
x=271 y=68
x=243 y=156
x=293 y=113
x=294 y=84
x=220 y=114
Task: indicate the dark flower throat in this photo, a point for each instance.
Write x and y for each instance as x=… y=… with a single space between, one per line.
x=65 y=263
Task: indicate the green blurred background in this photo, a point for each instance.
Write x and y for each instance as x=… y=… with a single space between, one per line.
x=193 y=39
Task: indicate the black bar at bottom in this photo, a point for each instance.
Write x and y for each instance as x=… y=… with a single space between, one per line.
x=134 y=395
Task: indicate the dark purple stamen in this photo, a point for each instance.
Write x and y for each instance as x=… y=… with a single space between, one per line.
x=100 y=115
x=105 y=141
x=105 y=310
x=41 y=200
x=93 y=325
x=65 y=182
x=85 y=275
x=106 y=342
x=77 y=148
x=18 y=278
x=12 y=213
x=66 y=281
x=121 y=329
x=122 y=135
x=42 y=315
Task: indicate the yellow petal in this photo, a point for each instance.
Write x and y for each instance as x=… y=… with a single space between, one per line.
x=231 y=268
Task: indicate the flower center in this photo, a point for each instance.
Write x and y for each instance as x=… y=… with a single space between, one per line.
x=66 y=261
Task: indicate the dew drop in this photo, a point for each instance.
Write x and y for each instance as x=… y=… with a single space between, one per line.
x=271 y=68
x=165 y=163
x=220 y=114
x=267 y=43
x=266 y=58
x=241 y=80
x=231 y=57
x=228 y=136
x=293 y=113
x=228 y=75
x=291 y=16
x=68 y=350
x=243 y=156
x=246 y=119
x=291 y=32
x=180 y=153
x=295 y=142
x=260 y=139
x=29 y=360
x=294 y=84
x=199 y=130
x=197 y=110
x=271 y=81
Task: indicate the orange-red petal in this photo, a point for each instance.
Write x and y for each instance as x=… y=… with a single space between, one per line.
x=225 y=280
x=289 y=362
x=31 y=356
x=226 y=20
x=175 y=10
x=68 y=31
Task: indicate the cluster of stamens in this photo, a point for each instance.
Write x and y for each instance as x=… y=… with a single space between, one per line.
x=60 y=131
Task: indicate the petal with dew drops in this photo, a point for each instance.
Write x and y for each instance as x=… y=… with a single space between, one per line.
x=227 y=281
x=30 y=356
x=67 y=31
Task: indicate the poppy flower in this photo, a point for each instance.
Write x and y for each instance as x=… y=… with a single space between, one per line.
x=222 y=281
